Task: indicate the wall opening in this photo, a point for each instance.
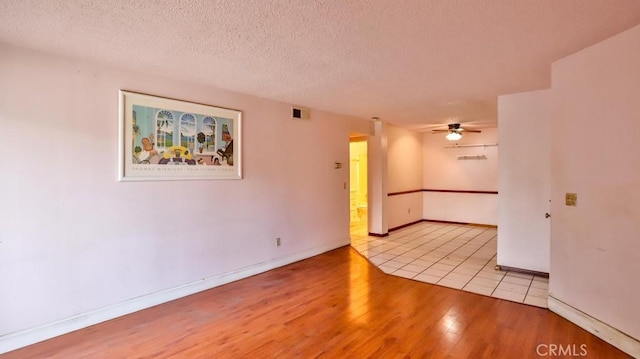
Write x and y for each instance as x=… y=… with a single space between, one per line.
x=358 y=182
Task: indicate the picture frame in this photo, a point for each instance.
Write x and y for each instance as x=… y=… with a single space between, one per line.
x=164 y=139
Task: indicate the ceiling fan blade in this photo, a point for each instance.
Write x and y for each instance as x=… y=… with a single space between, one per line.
x=439 y=131
x=476 y=131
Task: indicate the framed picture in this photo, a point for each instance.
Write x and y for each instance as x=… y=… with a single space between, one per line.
x=166 y=139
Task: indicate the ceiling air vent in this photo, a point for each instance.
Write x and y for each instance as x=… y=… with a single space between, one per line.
x=299 y=113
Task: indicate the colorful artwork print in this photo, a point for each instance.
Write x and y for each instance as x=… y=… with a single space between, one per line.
x=171 y=139
x=166 y=137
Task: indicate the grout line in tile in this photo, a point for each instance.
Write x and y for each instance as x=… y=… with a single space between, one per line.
x=528 y=288
x=494 y=289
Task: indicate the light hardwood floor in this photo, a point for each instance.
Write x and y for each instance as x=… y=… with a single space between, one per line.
x=335 y=305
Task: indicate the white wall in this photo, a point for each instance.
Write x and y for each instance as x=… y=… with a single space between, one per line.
x=595 y=247
x=478 y=208
x=524 y=122
x=404 y=174
x=443 y=171
x=74 y=240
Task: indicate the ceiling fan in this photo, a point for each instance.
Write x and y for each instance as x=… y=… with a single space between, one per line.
x=454 y=132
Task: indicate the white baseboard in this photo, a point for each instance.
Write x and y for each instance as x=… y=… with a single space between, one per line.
x=37 y=334
x=602 y=330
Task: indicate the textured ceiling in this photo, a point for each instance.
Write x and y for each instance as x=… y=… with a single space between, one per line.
x=412 y=63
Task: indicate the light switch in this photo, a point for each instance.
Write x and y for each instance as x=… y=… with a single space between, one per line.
x=571 y=199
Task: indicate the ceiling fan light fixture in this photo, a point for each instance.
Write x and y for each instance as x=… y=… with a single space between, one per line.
x=453 y=136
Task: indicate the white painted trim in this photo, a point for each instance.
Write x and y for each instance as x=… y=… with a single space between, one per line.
x=600 y=329
x=37 y=334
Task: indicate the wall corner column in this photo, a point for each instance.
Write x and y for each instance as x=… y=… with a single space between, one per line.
x=377 y=184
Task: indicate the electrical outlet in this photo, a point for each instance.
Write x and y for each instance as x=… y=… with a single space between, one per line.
x=278 y=242
x=571 y=199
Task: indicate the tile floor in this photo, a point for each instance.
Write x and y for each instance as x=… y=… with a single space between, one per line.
x=451 y=255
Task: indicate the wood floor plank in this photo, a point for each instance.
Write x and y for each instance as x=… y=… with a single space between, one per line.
x=335 y=305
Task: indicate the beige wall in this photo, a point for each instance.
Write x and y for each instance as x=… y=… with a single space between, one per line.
x=595 y=246
x=443 y=170
x=404 y=174
x=404 y=159
x=419 y=160
x=95 y=248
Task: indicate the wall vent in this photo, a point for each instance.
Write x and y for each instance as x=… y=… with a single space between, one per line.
x=299 y=113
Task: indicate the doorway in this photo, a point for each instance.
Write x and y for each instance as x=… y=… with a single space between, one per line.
x=358 y=194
